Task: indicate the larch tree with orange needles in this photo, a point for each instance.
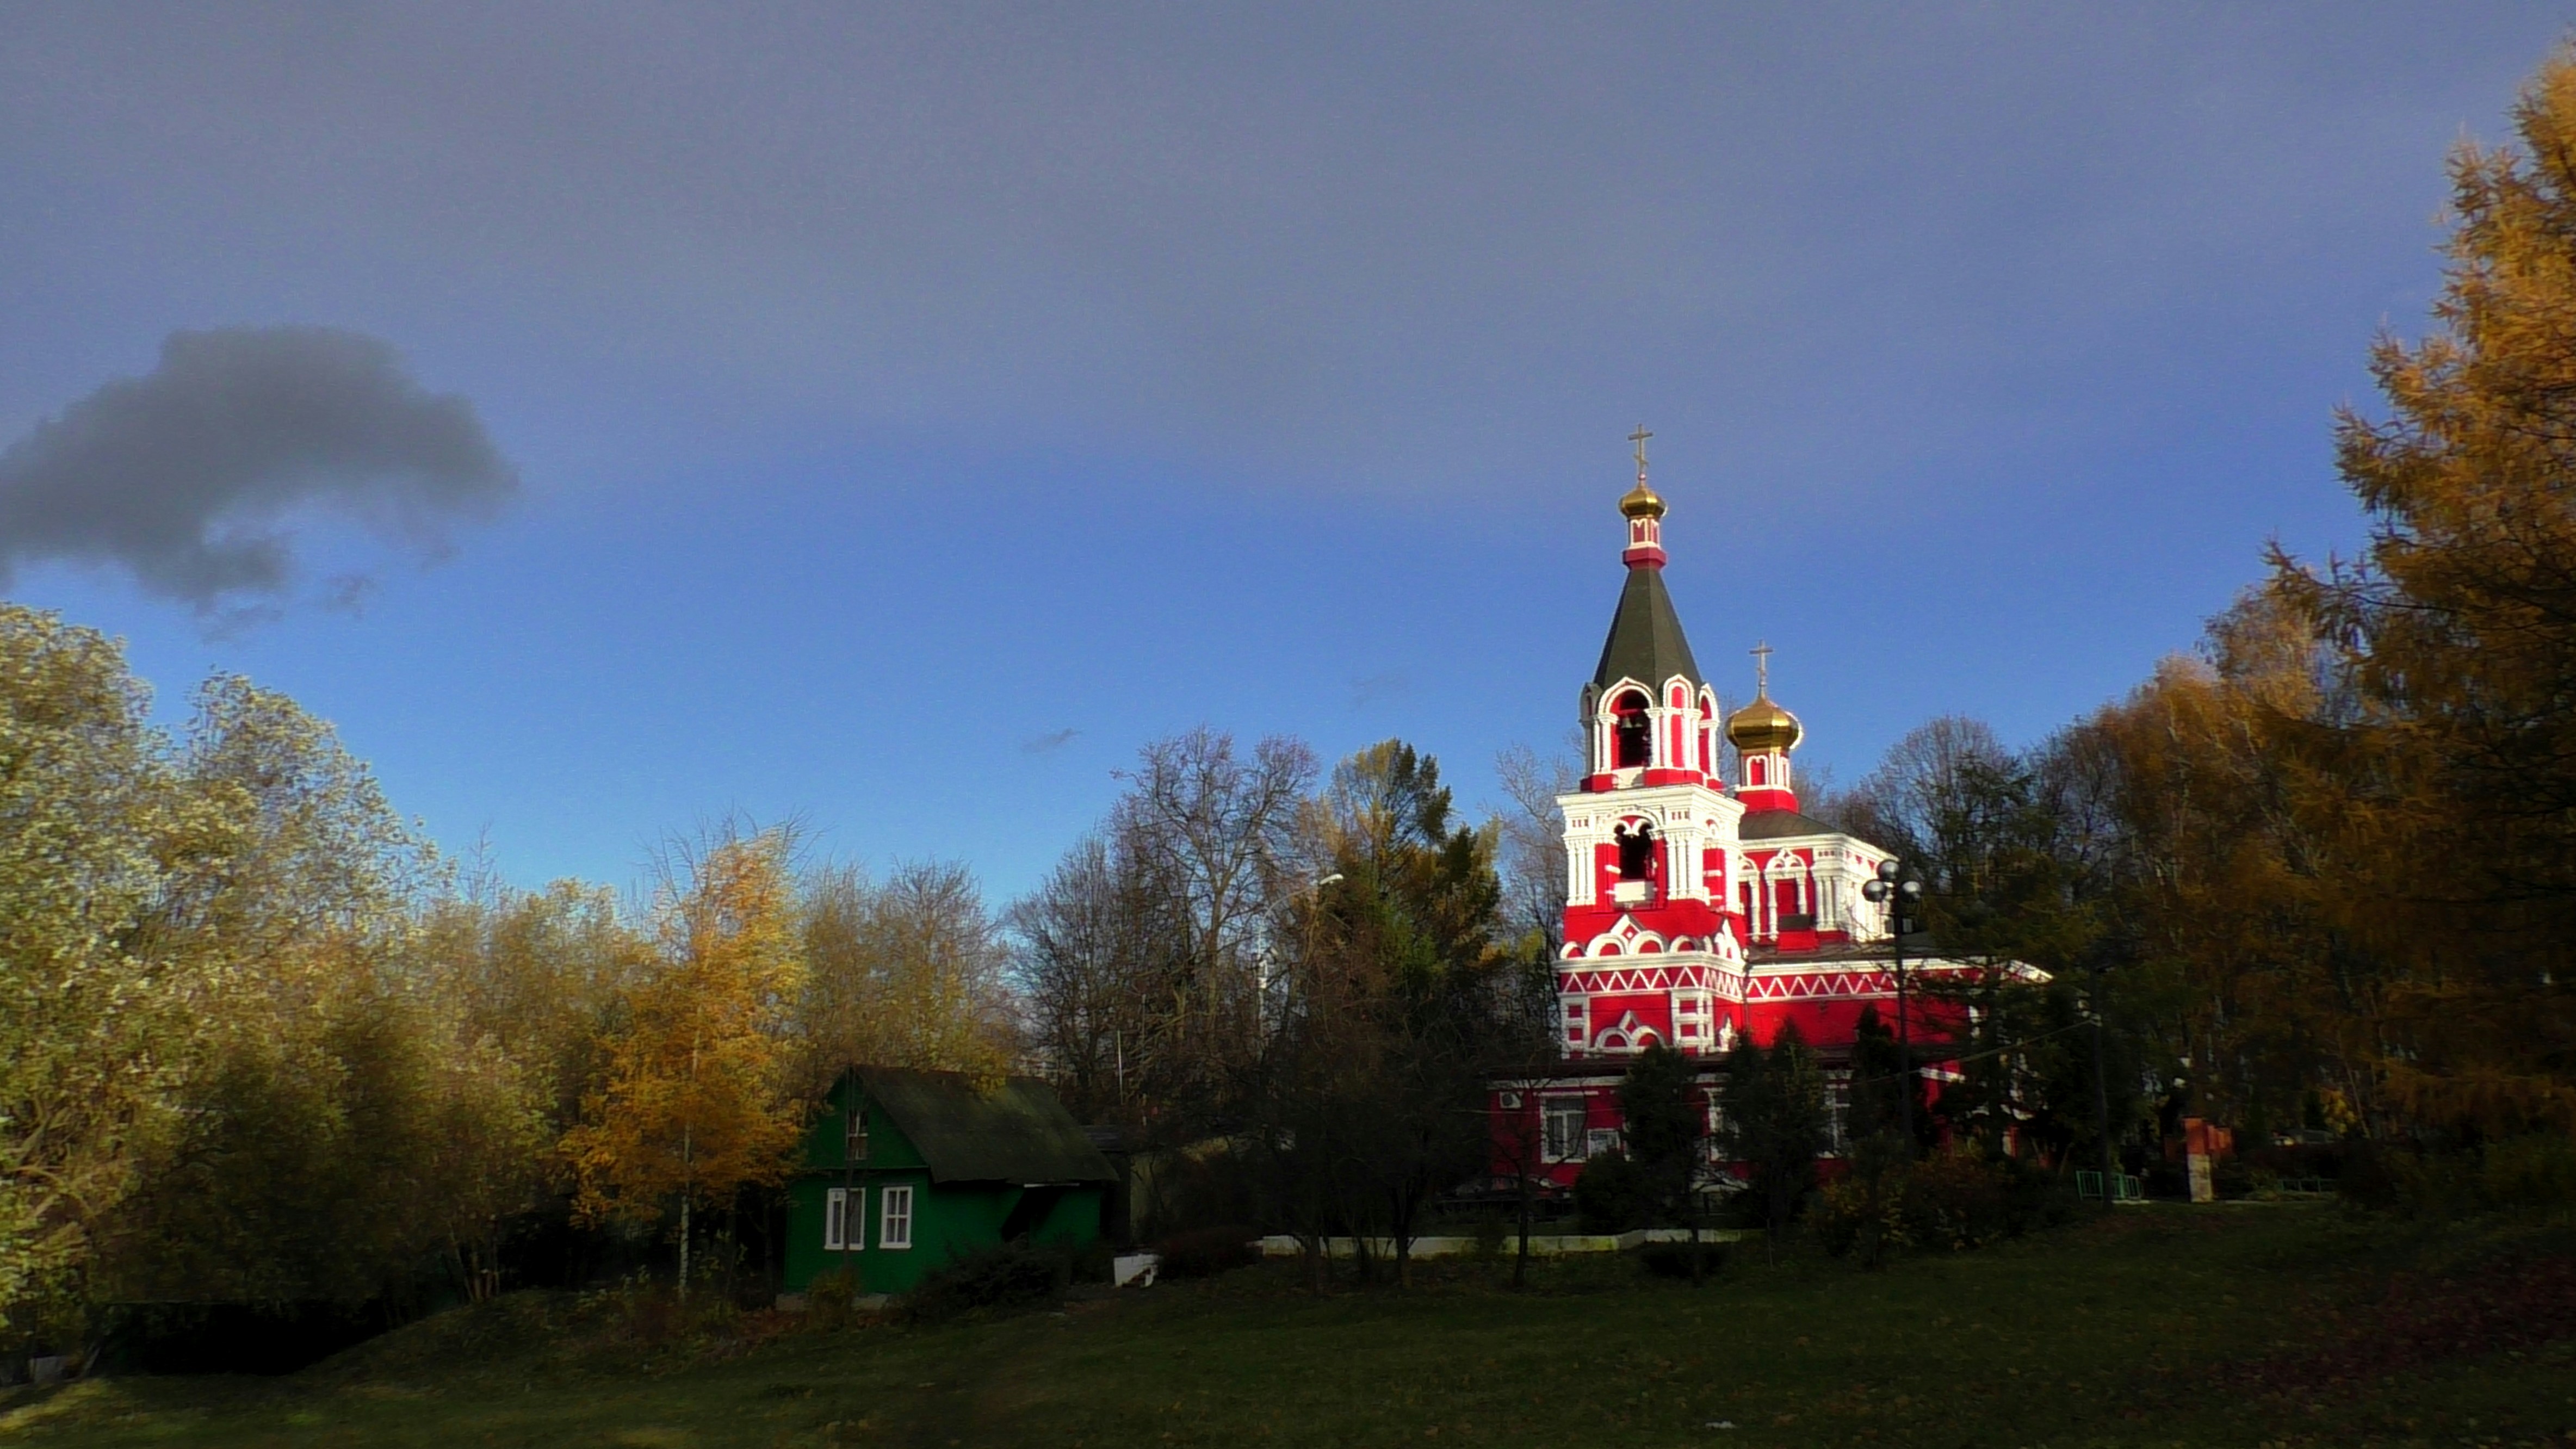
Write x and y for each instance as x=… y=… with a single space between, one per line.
x=693 y=1101
x=2454 y=639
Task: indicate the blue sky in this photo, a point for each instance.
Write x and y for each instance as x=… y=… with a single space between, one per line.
x=916 y=409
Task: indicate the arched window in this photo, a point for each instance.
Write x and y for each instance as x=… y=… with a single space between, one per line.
x=1633 y=733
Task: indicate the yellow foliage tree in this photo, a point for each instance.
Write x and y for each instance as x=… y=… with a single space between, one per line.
x=93 y=1022
x=2452 y=752
x=693 y=1103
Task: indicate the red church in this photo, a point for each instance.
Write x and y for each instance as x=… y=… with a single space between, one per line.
x=1698 y=913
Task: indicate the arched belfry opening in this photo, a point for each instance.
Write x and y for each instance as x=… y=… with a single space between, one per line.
x=1632 y=738
x=1636 y=850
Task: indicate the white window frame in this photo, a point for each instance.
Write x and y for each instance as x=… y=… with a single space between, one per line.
x=894 y=1211
x=836 y=1217
x=1556 y=1107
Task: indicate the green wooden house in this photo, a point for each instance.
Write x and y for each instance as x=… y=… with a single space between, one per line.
x=905 y=1172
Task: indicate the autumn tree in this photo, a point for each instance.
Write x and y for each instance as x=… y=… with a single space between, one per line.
x=341 y=1119
x=1093 y=952
x=907 y=973
x=693 y=1103
x=2449 y=759
x=1144 y=959
x=94 y=1022
x=538 y=974
x=1530 y=859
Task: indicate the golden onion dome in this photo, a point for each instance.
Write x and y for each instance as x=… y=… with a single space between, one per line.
x=1642 y=501
x=1762 y=726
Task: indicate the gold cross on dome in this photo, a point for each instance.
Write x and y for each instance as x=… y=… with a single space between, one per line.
x=1639 y=438
x=1762 y=668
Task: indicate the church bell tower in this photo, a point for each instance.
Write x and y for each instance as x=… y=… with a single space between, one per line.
x=1653 y=949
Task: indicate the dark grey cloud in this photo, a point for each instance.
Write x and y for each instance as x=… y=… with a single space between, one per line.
x=1378 y=689
x=1048 y=743
x=191 y=476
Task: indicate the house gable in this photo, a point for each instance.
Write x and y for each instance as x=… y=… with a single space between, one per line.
x=973 y=1168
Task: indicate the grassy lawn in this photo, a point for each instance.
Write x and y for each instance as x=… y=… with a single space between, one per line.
x=2240 y=1325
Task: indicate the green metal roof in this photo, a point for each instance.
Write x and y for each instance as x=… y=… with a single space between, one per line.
x=1783 y=825
x=1646 y=642
x=1014 y=1132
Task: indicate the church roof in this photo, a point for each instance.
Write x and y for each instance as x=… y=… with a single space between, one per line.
x=1782 y=825
x=1646 y=642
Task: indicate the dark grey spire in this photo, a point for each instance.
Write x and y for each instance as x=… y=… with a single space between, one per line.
x=1646 y=642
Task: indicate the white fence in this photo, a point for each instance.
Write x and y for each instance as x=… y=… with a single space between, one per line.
x=1281 y=1245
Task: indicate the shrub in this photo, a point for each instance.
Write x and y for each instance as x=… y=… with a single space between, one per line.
x=2536 y=1171
x=2035 y=1198
x=831 y=1300
x=2435 y=1185
x=2232 y=1177
x=1955 y=1199
x=2368 y=1180
x=1181 y=1192
x=1840 y=1211
x=1013 y=1275
x=1673 y=1260
x=1206 y=1252
x=2533 y=1171
x=1612 y=1194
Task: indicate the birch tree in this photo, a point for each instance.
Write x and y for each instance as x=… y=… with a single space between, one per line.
x=693 y=1104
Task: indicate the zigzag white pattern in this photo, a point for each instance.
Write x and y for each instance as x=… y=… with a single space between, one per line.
x=1679 y=976
x=1792 y=987
x=1796 y=985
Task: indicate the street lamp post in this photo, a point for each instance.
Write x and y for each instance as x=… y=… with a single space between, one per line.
x=2102 y=1094
x=1901 y=896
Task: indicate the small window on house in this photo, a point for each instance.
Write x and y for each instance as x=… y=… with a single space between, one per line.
x=1636 y=852
x=894 y=1222
x=1634 y=737
x=854 y=1135
x=1563 y=1137
x=836 y=1220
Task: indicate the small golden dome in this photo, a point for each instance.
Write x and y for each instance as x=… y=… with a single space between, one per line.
x=1642 y=501
x=1762 y=726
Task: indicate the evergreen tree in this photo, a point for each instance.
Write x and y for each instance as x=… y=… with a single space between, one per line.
x=1667 y=1121
x=1880 y=1083
x=1394 y=999
x=1660 y=1103
x=1772 y=1120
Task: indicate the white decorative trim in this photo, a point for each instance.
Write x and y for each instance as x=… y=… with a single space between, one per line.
x=1628 y=1036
